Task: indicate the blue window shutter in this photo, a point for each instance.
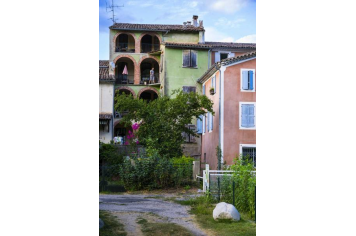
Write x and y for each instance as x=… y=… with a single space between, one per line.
x=245 y=80
x=250 y=79
x=212 y=121
x=204 y=89
x=200 y=124
x=244 y=115
x=214 y=82
x=251 y=115
x=203 y=124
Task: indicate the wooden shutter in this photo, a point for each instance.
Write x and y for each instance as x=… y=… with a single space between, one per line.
x=217 y=56
x=204 y=124
x=200 y=124
x=244 y=115
x=250 y=80
x=245 y=80
x=251 y=115
x=192 y=89
x=214 y=82
x=212 y=121
x=204 y=89
x=186 y=58
x=193 y=56
x=186 y=89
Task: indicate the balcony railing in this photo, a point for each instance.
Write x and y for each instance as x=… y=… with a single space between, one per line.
x=146 y=78
x=149 y=47
x=125 y=47
x=124 y=79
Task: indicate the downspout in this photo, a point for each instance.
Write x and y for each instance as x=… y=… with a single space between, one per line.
x=209 y=52
x=113 y=111
x=221 y=111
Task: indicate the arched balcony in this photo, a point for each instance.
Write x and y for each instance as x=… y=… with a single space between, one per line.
x=148 y=94
x=149 y=43
x=125 y=43
x=145 y=68
x=122 y=77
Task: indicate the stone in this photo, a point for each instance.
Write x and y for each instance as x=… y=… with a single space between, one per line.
x=227 y=211
x=101 y=223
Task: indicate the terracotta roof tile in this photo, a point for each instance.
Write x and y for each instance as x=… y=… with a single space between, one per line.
x=104 y=71
x=154 y=27
x=215 y=67
x=105 y=115
x=209 y=45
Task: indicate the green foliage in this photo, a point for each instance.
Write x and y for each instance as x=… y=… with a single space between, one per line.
x=112 y=226
x=108 y=154
x=154 y=172
x=162 y=121
x=245 y=182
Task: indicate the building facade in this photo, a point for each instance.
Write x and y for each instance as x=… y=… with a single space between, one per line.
x=231 y=85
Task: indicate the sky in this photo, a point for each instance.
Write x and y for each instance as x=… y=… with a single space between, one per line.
x=223 y=20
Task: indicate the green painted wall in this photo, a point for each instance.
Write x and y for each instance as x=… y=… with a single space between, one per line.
x=182 y=37
x=176 y=75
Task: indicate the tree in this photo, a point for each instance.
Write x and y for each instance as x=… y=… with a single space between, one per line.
x=164 y=120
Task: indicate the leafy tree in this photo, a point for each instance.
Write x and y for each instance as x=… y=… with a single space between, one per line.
x=162 y=121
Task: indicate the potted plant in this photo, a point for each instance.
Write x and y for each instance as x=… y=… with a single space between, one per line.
x=212 y=91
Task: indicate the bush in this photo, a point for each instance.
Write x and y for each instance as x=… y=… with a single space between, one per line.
x=155 y=172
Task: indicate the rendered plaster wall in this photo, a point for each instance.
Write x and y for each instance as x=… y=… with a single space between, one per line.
x=176 y=75
x=233 y=135
x=105 y=105
x=210 y=140
x=181 y=37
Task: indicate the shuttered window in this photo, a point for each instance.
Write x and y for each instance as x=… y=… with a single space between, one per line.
x=189 y=58
x=204 y=89
x=210 y=121
x=189 y=138
x=188 y=89
x=204 y=122
x=248 y=80
x=247 y=116
x=200 y=124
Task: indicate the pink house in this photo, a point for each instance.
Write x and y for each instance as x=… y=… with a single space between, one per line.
x=231 y=85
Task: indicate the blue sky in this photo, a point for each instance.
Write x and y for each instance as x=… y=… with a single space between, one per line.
x=224 y=20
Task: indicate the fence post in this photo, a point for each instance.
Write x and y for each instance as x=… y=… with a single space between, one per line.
x=196 y=169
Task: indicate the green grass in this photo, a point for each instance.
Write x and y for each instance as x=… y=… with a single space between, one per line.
x=162 y=229
x=112 y=227
x=203 y=208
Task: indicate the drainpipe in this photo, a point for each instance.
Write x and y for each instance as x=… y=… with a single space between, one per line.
x=221 y=111
x=209 y=52
x=113 y=112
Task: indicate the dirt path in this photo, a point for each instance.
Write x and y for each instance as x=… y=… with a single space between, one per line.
x=129 y=207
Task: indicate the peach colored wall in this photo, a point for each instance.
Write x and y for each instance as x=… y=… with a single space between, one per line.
x=211 y=140
x=233 y=136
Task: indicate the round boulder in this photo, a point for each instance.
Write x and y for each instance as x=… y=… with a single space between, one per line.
x=226 y=211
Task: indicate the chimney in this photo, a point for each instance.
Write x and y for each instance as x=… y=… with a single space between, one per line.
x=188 y=22
x=200 y=23
x=195 y=20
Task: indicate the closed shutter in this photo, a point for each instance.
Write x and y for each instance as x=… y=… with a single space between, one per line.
x=204 y=89
x=193 y=56
x=212 y=121
x=186 y=89
x=247 y=115
x=245 y=80
x=192 y=89
x=186 y=58
x=251 y=115
x=213 y=82
x=250 y=80
x=217 y=56
x=204 y=124
x=200 y=124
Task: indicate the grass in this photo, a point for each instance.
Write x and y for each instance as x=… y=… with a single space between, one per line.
x=161 y=229
x=112 y=227
x=203 y=208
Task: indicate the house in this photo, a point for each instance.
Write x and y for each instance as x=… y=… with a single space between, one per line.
x=106 y=91
x=231 y=85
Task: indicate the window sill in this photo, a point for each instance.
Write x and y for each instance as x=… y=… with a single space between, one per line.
x=189 y=67
x=248 y=91
x=248 y=128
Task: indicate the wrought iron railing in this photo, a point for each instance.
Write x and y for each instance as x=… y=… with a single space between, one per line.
x=125 y=47
x=146 y=78
x=149 y=47
x=124 y=79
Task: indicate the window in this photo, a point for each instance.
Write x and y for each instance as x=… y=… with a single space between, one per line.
x=213 y=82
x=248 y=152
x=210 y=122
x=247 y=115
x=188 y=89
x=200 y=124
x=204 y=121
x=224 y=56
x=189 y=58
x=248 y=80
x=189 y=138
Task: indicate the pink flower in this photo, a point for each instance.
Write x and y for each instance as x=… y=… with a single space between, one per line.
x=137 y=142
x=135 y=126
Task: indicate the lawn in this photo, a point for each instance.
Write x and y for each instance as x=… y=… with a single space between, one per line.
x=112 y=227
x=162 y=229
x=203 y=208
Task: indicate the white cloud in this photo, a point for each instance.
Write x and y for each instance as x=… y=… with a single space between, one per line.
x=212 y=34
x=226 y=6
x=247 y=39
x=226 y=23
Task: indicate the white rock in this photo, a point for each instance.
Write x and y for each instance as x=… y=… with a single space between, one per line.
x=224 y=210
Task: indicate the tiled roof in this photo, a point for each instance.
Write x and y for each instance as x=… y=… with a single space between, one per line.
x=104 y=71
x=215 y=67
x=105 y=115
x=154 y=27
x=230 y=45
x=210 y=45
